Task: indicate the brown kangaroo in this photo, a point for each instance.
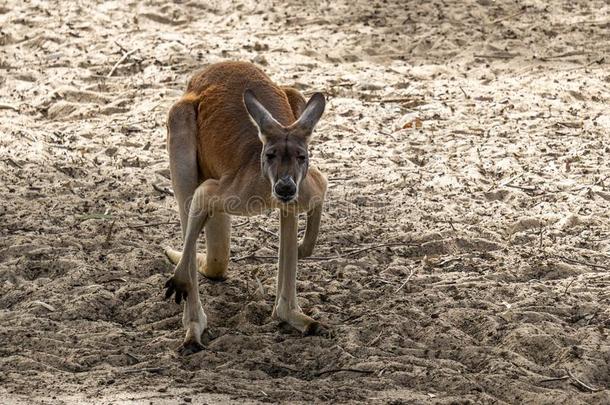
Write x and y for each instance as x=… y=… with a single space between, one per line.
x=238 y=146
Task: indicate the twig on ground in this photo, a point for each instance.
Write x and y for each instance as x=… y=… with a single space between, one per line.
x=44 y=305
x=563 y=55
x=595 y=266
x=581 y=384
x=503 y=55
x=149 y=369
x=121 y=60
x=372 y=342
x=13 y=163
x=565 y=377
x=110 y=280
x=508 y=17
x=268 y=232
x=120 y=46
x=464 y=91
x=152 y=224
x=8 y=107
x=133 y=357
x=509 y=181
x=337 y=370
x=393 y=244
x=406 y=281
x=565 y=291
x=163 y=190
x=598 y=61
x=252 y=256
x=409 y=102
x=526 y=189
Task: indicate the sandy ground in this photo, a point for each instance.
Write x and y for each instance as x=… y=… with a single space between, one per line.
x=464 y=253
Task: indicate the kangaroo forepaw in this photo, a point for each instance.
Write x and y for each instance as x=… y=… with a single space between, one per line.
x=176 y=287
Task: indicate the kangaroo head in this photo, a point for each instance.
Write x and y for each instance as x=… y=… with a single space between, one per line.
x=284 y=156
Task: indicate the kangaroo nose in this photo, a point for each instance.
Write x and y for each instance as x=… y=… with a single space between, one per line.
x=285 y=188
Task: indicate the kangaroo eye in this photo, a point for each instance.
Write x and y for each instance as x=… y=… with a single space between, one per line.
x=270 y=156
x=302 y=158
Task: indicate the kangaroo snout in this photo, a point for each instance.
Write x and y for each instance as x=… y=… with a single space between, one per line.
x=285 y=189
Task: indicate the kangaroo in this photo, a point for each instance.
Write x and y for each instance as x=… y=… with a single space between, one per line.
x=238 y=145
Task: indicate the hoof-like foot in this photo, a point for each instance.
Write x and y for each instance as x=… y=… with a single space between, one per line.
x=304 y=251
x=188 y=348
x=174 y=286
x=318 y=329
x=213 y=271
x=212 y=276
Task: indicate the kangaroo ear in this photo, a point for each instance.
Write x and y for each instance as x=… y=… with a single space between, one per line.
x=262 y=119
x=311 y=114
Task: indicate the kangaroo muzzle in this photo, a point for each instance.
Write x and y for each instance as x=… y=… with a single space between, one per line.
x=285 y=189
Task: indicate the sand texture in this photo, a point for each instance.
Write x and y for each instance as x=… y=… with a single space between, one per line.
x=464 y=254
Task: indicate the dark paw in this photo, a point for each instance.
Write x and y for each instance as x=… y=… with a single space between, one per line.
x=189 y=348
x=318 y=329
x=177 y=288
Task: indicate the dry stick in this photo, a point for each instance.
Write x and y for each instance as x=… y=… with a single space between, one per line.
x=598 y=61
x=336 y=370
x=565 y=377
x=406 y=281
x=133 y=357
x=526 y=189
x=507 y=17
x=398 y=100
x=267 y=231
x=463 y=91
x=163 y=190
x=498 y=56
x=13 y=163
x=582 y=384
x=149 y=369
x=45 y=305
x=8 y=107
x=377 y=247
x=509 y=181
x=121 y=60
x=372 y=342
x=251 y=256
x=564 y=55
x=152 y=224
x=110 y=280
x=595 y=266
x=568 y=286
x=246 y=222
x=120 y=46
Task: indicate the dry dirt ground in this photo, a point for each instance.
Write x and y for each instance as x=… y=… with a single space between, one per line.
x=464 y=253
